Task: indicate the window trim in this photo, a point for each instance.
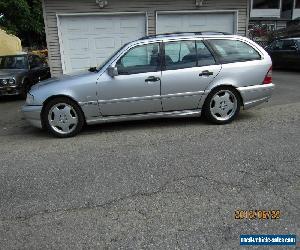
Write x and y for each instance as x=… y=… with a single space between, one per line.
x=265 y=12
x=224 y=62
x=279 y=6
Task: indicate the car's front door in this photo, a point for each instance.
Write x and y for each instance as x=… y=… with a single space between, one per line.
x=136 y=88
x=189 y=67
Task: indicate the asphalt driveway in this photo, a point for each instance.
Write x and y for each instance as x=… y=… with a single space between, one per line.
x=161 y=184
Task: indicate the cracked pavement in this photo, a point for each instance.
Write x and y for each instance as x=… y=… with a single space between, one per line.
x=159 y=184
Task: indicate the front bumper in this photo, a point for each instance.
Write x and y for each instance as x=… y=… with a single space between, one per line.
x=9 y=90
x=33 y=115
x=255 y=95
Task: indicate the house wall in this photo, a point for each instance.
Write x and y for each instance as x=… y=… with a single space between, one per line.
x=53 y=7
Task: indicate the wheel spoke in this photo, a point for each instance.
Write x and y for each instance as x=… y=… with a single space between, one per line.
x=56 y=111
x=215 y=110
x=54 y=122
x=65 y=127
x=67 y=110
x=226 y=97
x=217 y=99
x=72 y=120
x=230 y=105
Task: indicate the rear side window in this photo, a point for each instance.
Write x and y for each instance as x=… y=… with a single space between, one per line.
x=204 y=56
x=187 y=54
x=180 y=55
x=234 y=51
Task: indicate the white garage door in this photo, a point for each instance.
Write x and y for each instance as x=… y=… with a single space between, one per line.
x=88 y=40
x=196 y=21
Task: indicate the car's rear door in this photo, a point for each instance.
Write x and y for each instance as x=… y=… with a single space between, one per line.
x=188 y=69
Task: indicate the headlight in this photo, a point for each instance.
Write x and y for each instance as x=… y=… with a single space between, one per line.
x=4 y=81
x=11 y=81
x=29 y=99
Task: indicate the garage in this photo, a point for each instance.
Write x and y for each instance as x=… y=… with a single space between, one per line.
x=193 y=21
x=88 y=40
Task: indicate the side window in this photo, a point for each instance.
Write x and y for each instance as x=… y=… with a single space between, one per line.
x=140 y=59
x=35 y=61
x=288 y=45
x=234 y=51
x=277 y=45
x=204 y=56
x=180 y=55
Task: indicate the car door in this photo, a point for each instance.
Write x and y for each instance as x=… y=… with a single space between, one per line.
x=276 y=53
x=136 y=88
x=289 y=51
x=188 y=69
x=37 y=71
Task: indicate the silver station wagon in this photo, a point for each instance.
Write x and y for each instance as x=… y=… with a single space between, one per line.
x=170 y=75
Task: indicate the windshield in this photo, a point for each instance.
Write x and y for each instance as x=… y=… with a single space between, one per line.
x=13 y=62
x=110 y=57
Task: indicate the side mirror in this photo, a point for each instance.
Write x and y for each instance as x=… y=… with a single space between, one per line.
x=112 y=71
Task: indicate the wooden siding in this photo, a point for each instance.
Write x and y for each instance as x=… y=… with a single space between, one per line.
x=53 y=7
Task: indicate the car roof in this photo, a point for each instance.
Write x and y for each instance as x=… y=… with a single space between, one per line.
x=289 y=38
x=182 y=35
x=16 y=54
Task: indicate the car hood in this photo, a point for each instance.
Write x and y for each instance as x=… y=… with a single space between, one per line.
x=63 y=79
x=7 y=73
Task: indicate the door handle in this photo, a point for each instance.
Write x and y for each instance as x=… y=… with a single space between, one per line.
x=206 y=73
x=152 y=79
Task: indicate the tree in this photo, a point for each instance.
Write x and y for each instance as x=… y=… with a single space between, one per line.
x=23 y=18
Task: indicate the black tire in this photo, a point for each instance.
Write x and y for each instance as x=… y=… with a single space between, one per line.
x=208 y=102
x=76 y=110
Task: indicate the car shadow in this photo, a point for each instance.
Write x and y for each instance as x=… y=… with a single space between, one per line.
x=4 y=99
x=284 y=70
x=160 y=123
x=144 y=124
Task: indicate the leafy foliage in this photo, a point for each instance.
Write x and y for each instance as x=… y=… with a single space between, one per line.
x=23 y=18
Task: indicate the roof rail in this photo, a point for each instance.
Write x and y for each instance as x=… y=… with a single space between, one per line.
x=185 y=34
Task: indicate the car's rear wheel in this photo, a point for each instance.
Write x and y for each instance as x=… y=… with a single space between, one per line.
x=222 y=105
x=62 y=117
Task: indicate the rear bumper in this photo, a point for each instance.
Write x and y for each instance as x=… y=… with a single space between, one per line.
x=255 y=95
x=33 y=115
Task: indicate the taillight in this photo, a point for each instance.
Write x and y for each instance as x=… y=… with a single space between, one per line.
x=268 y=77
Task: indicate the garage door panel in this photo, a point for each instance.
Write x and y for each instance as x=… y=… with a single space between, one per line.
x=78 y=44
x=193 y=22
x=106 y=42
x=78 y=63
x=87 y=41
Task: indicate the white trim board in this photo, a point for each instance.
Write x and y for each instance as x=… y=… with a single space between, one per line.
x=235 y=12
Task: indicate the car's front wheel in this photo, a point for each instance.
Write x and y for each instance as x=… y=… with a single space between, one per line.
x=62 y=117
x=222 y=105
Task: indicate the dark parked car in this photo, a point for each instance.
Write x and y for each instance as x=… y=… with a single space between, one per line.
x=285 y=53
x=19 y=72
